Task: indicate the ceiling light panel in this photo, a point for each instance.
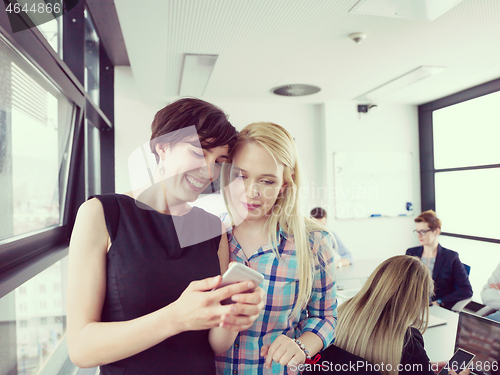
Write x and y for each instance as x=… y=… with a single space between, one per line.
x=196 y=72
x=415 y=9
x=400 y=82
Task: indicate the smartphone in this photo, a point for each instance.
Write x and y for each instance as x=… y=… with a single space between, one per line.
x=236 y=273
x=460 y=360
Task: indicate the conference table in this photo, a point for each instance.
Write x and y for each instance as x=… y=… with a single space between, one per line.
x=439 y=341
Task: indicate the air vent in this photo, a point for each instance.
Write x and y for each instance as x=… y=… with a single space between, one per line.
x=296 y=90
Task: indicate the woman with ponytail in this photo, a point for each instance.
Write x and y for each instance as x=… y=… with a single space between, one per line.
x=292 y=251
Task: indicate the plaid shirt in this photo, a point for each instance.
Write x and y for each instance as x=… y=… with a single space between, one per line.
x=281 y=287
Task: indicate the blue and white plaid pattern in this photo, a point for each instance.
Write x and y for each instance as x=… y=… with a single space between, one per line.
x=281 y=287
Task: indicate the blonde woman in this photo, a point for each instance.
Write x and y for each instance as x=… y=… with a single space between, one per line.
x=382 y=323
x=293 y=252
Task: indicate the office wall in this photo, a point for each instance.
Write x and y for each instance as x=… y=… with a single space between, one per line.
x=132 y=124
x=388 y=127
x=319 y=131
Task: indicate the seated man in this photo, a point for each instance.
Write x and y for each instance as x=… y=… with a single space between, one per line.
x=491 y=294
x=344 y=257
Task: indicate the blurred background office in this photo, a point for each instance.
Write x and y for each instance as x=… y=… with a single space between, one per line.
x=78 y=94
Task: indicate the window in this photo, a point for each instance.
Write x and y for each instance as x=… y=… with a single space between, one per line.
x=33 y=336
x=44 y=130
x=460 y=174
x=468 y=202
x=35 y=133
x=52 y=31
x=91 y=58
x=467 y=134
x=93 y=159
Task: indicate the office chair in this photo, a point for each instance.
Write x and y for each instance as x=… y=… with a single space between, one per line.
x=467 y=268
x=335 y=357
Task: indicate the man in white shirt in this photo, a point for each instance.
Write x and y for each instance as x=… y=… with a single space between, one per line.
x=491 y=294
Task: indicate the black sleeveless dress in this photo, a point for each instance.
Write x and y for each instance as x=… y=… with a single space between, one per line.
x=147 y=269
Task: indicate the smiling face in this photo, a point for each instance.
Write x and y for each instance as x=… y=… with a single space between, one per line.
x=256 y=182
x=429 y=238
x=188 y=169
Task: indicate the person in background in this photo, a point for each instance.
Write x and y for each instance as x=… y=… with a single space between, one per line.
x=491 y=294
x=384 y=321
x=343 y=256
x=450 y=277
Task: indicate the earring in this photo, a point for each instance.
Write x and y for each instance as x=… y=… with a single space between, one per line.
x=162 y=170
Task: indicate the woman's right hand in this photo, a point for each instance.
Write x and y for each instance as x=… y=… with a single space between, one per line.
x=199 y=306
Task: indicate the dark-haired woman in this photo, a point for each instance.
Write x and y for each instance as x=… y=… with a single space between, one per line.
x=450 y=277
x=142 y=266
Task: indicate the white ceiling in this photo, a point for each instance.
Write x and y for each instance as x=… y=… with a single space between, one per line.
x=265 y=43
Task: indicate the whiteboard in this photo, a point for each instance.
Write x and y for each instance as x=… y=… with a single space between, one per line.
x=372 y=184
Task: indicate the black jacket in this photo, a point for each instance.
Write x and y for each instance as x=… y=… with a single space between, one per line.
x=414 y=359
x=451 y=282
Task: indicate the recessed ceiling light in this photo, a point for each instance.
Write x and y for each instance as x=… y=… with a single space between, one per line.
x=295 y=90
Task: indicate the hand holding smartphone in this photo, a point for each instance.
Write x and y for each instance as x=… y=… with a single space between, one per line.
x=236 y=273
x=460 y=360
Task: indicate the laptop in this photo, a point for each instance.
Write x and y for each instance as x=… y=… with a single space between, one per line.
x=435 y=321
x=480 y=336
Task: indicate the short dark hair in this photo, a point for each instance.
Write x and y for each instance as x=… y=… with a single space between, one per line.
x=211 y=124
x=430 y=218
x=318 y=213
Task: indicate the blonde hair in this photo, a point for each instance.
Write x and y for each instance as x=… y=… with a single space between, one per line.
x=285 y=212
x=373 y=324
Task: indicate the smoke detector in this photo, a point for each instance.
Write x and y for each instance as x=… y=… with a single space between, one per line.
x=296 y=89
x=357 y=37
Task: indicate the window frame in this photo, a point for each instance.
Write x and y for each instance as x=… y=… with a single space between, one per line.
x=24 y=256
x=426 y=145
